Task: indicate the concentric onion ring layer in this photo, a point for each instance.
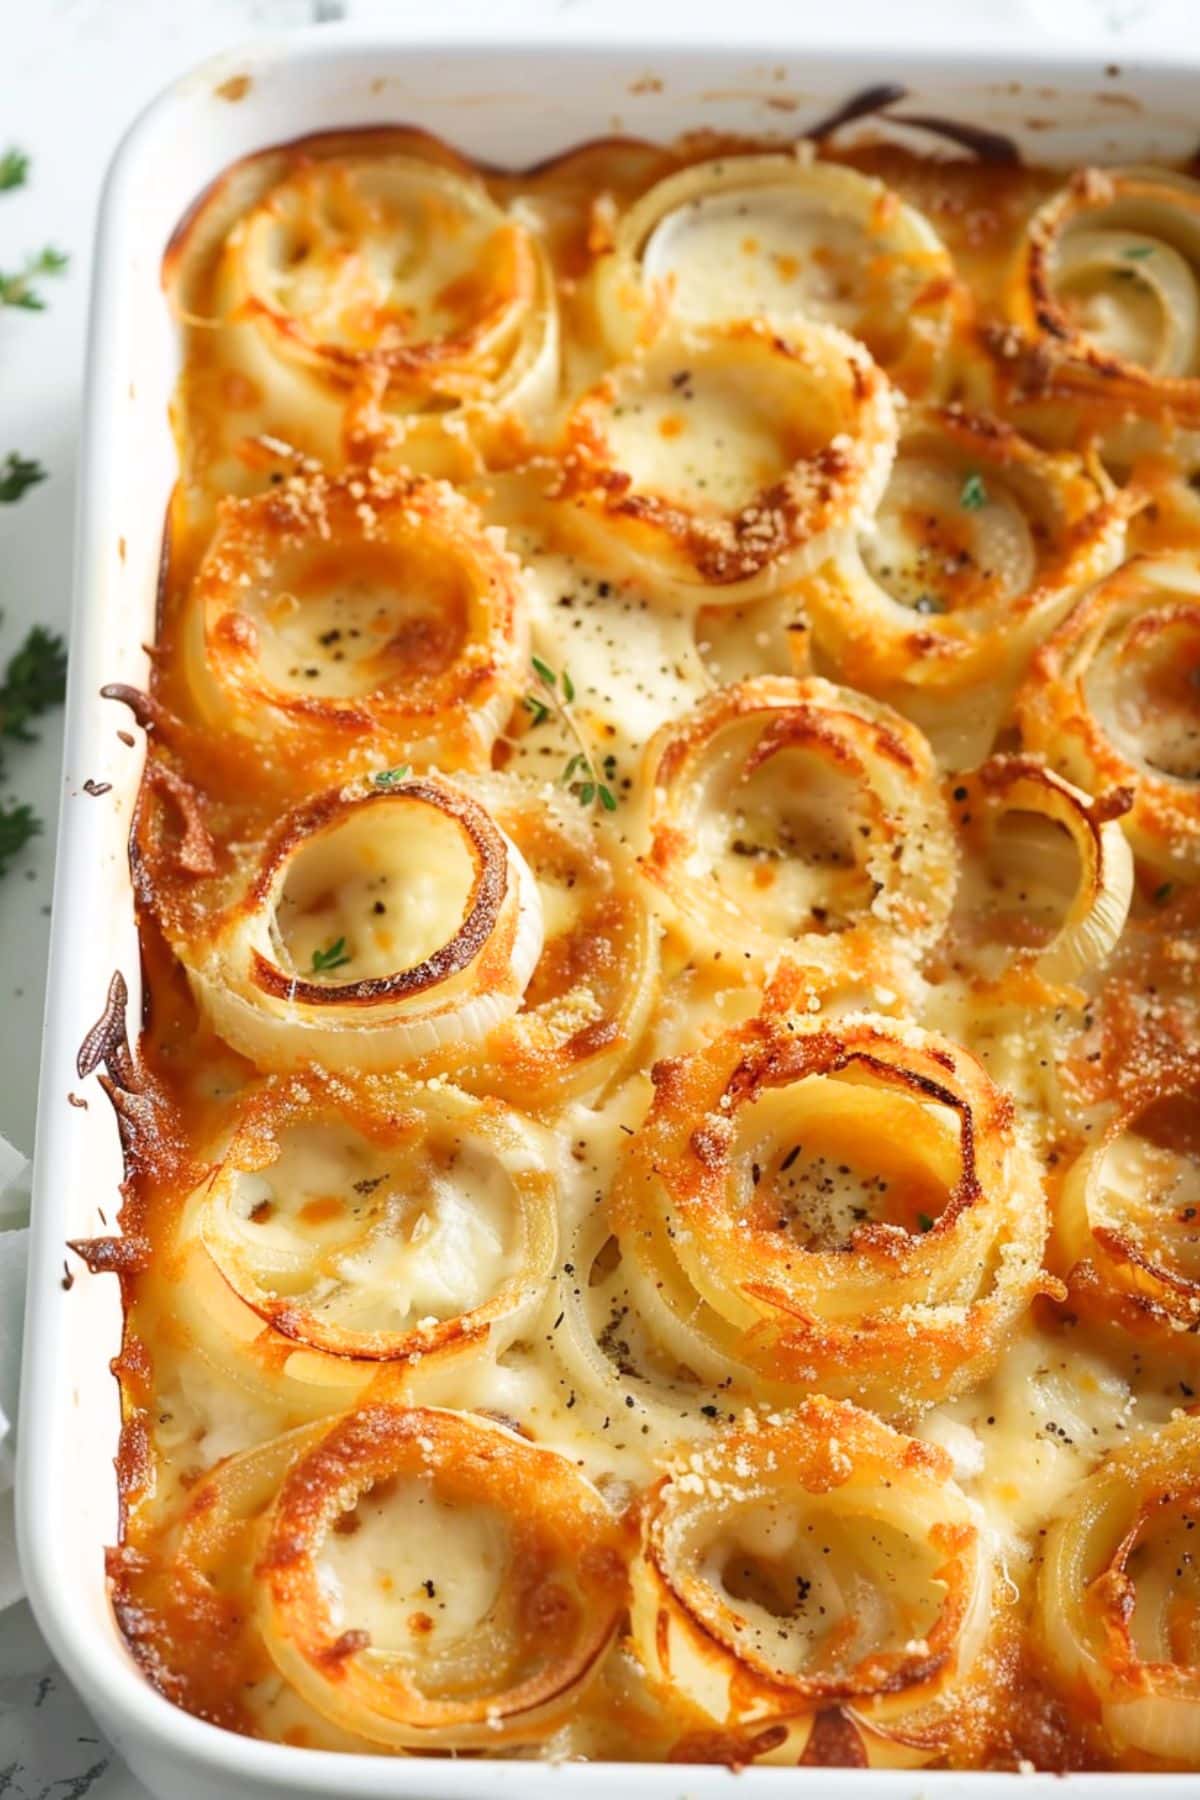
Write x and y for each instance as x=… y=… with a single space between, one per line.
x=1119 y=1597
x=381 y=922
x=369 y=1239
x=798 y=815
x=1052 y=875
x=811 y=1558
x=385 y=278
x=589 y=998
x=978 y=547
x=1108 y=282
x=1111 y=702
x=530 y=1559
x=782 y=236
x=355 y=622
x=1127 y=1221
x=722 y=460
x=846 y=1207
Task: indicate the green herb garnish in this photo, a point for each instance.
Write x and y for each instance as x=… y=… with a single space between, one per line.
x=17 y=475
x=17 y=290
x=577 y=772
x=34 y=681
x=1136 y=252
x=387 y=778
x=924 y=1221
x=335 y=957
x=974 y=494
x=36 y=676
x=14 y=168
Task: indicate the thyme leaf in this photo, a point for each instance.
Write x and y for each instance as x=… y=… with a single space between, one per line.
x=335 y=956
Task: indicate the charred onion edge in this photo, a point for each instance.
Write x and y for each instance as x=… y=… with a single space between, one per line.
x=484 y=902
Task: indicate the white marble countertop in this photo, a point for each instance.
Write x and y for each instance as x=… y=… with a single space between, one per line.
x=73 y=74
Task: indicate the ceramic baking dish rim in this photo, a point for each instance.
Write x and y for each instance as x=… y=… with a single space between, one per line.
x=146 y=1727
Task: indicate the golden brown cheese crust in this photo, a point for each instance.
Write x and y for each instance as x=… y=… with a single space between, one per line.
x=713 y=771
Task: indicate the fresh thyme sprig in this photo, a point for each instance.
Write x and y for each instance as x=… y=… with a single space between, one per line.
x=17 y=290
x=33 y=682
x=17 y=475
x=14 y=167
x=578 y=774
x=35 y=678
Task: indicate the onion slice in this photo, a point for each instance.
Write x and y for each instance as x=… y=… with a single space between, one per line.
x=374 y=302
x=340 y=624
x=521 y=1545
x=798 y=816
x=783 y=236
x=636 y=1380
x=1014 y=815
x=381 y=921
x=194 y=1591
x=978 y=547
x=589 y=999
x=1106 y=287
x=847 y=1207
x=1111 y=702
x=371 y=1238
x=1128 y=1220
x=724 y=460
x=1119 y=1596
x=811 y=1559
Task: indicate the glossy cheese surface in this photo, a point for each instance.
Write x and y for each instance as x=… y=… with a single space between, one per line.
x=662 y=1216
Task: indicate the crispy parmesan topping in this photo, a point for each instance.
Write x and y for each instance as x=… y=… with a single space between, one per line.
x=662 y=1201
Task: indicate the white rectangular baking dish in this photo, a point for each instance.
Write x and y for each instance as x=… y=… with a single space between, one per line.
x=508 y=103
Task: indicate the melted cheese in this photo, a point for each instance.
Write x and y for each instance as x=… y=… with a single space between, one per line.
x=531 y=809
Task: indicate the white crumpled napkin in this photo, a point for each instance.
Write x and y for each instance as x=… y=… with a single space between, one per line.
x=14 y=1246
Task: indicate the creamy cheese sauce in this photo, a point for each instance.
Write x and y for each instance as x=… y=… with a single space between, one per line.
x=319 y=1246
